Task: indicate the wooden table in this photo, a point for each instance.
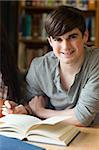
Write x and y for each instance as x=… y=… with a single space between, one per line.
x=88 y=139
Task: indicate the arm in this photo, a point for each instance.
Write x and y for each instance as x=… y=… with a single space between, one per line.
x=38 y=104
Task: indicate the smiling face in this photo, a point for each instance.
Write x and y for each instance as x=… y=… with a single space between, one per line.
x=69 y=48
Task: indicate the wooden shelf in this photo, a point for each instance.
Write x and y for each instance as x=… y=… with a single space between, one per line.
x=47 y=9
x=36 y=9
x=34 y=42
x=89 y=13
x=97 y=25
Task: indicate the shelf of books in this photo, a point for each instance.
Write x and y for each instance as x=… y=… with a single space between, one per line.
x=32 y=35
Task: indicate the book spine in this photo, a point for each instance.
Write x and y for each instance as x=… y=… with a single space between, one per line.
x=21 y=57
x=28 y=26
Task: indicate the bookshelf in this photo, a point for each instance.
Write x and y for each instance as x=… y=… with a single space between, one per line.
x=34 y=40
x=97 y=24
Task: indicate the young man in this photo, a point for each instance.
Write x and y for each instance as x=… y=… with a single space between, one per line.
x=68 y=76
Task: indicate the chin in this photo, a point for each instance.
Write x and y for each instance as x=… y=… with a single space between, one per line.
x=66 y=61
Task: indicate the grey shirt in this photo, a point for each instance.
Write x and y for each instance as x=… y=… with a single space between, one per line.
x=43 y=78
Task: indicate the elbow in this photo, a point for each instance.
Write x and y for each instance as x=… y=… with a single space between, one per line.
x=79 y=124
x=83 y=119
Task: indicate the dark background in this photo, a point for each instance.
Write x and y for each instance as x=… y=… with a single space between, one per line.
x=9 y=20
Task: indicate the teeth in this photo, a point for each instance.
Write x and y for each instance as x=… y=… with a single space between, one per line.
x=69 y=52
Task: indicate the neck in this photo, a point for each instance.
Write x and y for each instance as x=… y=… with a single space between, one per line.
x=71 y=69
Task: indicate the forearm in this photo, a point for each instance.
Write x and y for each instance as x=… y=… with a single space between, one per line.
x=69 y=113
x=38 y=107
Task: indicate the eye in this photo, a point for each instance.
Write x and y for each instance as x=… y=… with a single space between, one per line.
x=58 y=39
x=74 y=36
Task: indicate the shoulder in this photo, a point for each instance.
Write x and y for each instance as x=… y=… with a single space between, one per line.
x=93 y=52
x=92 y=62
x=45 y=58
x=48 y=61
x=92 y=56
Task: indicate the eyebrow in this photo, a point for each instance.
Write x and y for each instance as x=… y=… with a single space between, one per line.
x=72 y=34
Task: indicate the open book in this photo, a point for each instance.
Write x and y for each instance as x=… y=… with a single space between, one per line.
x=51 y=131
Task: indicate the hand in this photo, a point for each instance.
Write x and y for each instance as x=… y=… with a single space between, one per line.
x=11 y=107
x=8 y=107
x=37 y=104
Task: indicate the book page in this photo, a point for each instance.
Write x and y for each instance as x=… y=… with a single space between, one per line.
x=15 y=118
x=50 y=121
x=53 y=131
x=16 y=134
x=50 y=140
x=18 y=121
x=45 y=140
x=54 y=120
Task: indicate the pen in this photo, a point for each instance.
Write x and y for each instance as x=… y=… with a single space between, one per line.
x=4 y=106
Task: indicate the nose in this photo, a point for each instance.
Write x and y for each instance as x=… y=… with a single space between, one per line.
x=66 y=44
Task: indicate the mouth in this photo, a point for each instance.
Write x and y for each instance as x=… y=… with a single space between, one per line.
x=68 y=53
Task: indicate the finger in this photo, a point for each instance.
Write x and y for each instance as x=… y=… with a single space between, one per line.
x=20 y=109
x=6 y=111
x=7 y=104
x=4 y=108
x=13 y=103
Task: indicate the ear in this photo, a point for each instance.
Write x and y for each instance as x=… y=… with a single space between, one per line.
x=50 y=41
x=85 y=36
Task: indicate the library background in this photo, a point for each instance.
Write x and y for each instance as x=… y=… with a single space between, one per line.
x=24 y=22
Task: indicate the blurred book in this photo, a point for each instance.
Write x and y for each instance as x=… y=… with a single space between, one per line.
x=7 y=143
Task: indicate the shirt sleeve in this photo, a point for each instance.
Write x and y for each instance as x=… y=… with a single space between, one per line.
x=32 y=82
x=88 y=103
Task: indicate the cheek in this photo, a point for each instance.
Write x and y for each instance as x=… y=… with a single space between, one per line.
x=56 y=51
x=56 y=47
x=80 y=49
x=79 y=44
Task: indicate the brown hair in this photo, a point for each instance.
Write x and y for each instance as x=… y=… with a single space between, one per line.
x=64 y=19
